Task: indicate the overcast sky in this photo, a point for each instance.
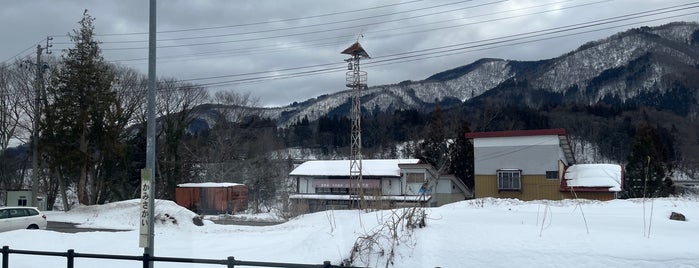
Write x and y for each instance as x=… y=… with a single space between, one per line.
x=255 y=45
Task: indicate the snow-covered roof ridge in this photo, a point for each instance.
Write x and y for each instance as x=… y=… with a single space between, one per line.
x=209 y=184
x=595 y=175
x=370 y=167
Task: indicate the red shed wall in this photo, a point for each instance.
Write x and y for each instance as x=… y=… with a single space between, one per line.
x=188 y=197
x=213 y=199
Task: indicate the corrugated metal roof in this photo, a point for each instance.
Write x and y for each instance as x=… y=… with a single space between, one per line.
x=356 y=49
x=372 y=167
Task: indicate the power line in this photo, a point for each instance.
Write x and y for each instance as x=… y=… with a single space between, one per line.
x=314 y=25
x=259 y=49
x=426 y=30
x=515 y=39
x=265 y=22
x=484 y=45
x=487 y=21
x=501 y=44
x=429 y=55
x=359 y=26
x=476 y=44
x=563 y=28
x=25 y=50
x=370 y=24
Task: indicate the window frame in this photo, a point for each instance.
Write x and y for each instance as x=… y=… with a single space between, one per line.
x=511 y=179
x=552 y=174
x=415 y=177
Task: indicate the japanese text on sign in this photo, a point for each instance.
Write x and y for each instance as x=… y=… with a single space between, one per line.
x=144 y=229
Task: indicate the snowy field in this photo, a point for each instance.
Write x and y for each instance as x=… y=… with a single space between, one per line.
x=475 y=233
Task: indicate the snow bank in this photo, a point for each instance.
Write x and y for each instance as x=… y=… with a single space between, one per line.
x=475 y=233
x=125 y=215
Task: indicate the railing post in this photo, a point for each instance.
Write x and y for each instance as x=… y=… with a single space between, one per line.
x=231 y=262
x=146 y=260
x=71 y=258
x=5 y=257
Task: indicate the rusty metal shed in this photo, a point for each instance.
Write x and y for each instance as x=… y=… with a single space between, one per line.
x=212 y=198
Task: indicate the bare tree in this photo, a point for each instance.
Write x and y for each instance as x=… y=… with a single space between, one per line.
x=221 y=152
x=235 y=106
x=10 y=116
x=131 y=88
x=21 y=80
x=175 y=109
x=17 y=95
x=9 y=112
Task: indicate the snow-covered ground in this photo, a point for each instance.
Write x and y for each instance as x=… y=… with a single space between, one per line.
x=474 y=233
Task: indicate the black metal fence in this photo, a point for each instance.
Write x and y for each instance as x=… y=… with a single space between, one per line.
x=230 y=262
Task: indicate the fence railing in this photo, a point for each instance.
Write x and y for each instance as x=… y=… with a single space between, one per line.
x=230 y=262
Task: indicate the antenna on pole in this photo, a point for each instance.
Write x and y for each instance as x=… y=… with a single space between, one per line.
x=360 y=35
x=356 y=79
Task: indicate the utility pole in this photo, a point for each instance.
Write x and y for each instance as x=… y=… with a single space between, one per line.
x=148 y=174
x=356 y=79
x=38 y=88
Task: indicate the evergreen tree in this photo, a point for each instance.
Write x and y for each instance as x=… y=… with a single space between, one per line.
x=461 y=157
x=648 y=165
x=433 y=149
x=77 y=125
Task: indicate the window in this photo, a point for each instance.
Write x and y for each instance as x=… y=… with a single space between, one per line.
x=21 y=202
x=31 y=212
x=551 y=175
x=415 y=177
x=332 y=190
x=14 y=213
x=509 y=180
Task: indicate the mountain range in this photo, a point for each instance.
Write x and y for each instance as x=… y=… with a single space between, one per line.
x=642 y=74
x=650 y=66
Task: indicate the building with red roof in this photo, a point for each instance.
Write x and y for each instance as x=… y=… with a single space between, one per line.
x=537 y=164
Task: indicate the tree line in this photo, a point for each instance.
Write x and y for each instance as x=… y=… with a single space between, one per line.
x=92 y=129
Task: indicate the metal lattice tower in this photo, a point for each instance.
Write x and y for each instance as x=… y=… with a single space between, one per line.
x=356 y=79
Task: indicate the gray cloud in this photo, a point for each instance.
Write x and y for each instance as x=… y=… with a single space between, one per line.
x=284 y=43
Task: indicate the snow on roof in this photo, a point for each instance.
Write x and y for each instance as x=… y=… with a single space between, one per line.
x=208 y=184
x=594 y=175
x=374 y=167
x=406 y=198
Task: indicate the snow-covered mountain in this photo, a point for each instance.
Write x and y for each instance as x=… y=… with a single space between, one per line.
x=640 y=65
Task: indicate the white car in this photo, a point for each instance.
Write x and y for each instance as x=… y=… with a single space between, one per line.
x=13 y=218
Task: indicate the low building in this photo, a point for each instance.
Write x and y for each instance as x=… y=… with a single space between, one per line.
x=212 y=198
x=386 y=183
x=532 y=164
x=23 y=198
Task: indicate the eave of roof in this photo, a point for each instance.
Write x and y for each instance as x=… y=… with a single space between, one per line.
x=516 y=133
x=356 y=50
